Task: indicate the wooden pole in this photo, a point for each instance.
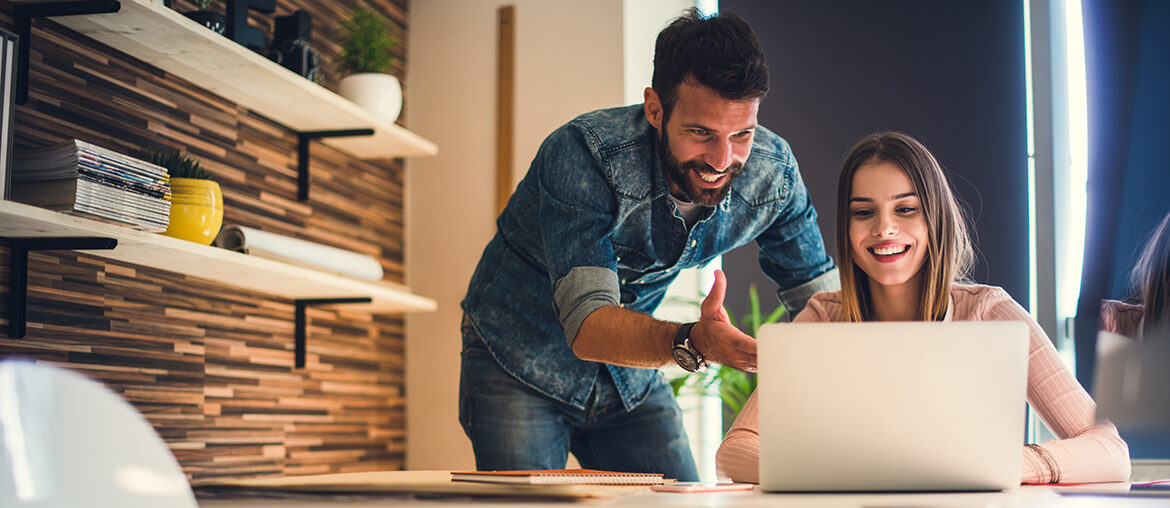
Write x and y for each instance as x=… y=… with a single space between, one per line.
x=505 y=105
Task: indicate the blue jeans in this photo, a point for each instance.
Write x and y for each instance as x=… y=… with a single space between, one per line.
x=512 y=426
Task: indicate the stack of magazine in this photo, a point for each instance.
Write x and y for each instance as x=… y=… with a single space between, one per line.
x=88 y=180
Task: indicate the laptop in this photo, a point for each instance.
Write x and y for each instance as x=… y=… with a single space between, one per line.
x=1132 y=385
x=892 y=406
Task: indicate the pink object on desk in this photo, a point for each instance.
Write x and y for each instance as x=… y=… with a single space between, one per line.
x=688 y=487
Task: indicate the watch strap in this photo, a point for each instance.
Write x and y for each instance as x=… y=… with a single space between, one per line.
x=683 y=333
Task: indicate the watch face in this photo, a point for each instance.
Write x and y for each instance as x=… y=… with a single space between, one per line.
x=685 y=359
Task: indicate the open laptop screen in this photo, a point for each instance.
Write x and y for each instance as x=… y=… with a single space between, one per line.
x=892 y=406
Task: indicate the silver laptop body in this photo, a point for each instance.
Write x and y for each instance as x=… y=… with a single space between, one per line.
x=892 y=406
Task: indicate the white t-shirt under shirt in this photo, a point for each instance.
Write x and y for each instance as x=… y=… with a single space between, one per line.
x=690 y=211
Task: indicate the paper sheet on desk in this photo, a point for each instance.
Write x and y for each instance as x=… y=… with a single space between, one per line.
x=298 y=252
x=410 y=482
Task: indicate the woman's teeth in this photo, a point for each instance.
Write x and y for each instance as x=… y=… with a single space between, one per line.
x=890 y=251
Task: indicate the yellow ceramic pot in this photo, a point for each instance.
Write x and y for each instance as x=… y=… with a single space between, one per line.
x=196 y=210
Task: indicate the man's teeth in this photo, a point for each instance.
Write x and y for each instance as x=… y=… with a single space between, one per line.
x=890 y=251
x=710 y=177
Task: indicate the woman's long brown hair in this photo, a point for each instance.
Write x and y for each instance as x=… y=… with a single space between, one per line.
x=949 y=255
x=1151 y=276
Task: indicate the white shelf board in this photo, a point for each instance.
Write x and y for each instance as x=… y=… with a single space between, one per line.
x=18 y=220
x=170 y=41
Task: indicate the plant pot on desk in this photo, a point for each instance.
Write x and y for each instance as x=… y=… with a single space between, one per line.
x=196 y=210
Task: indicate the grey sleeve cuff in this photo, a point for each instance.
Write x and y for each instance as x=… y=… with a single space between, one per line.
x=795 y=298
x=584 y=290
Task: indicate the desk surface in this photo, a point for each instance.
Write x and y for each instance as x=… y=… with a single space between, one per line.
x=1028 y=496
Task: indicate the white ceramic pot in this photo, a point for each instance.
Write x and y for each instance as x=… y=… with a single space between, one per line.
x=376 y=92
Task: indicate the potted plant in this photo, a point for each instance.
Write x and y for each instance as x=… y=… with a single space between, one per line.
x=213 y=20
x=366 y=44
x=196 y=199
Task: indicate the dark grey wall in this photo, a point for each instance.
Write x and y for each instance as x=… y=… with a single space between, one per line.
x=1144 y=201
x=949 y=73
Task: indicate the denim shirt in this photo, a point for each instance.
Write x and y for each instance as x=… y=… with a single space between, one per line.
x=593 y=224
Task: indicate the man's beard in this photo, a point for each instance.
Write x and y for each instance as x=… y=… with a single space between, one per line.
x=677 y=173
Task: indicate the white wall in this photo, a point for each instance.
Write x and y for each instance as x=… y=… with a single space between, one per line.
x=569 y=60
x=643 y=20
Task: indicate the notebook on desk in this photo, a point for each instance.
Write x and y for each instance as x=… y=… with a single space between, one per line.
x=892 y=406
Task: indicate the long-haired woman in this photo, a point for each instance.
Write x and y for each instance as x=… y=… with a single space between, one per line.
x=904 y=255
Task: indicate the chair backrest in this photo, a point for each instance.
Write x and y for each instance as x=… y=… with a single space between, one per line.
x=66 y=440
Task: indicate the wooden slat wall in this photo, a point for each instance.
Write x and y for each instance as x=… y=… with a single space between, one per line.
x=210 y=366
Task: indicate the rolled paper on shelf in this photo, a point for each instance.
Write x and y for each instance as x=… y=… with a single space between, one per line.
x=299 y=252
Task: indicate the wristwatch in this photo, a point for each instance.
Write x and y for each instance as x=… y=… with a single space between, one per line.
x=685 y=355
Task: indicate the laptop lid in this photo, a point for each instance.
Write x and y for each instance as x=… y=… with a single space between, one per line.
x=1131 y=386
x=892 y=406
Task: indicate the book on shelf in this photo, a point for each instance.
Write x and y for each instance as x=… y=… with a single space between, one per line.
x=559 y=477
x=85 y=179
x=61 y=160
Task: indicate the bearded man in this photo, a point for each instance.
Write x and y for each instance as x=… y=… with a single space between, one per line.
x=560 y=353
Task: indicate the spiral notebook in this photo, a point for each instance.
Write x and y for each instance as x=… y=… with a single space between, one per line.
x=559 y=477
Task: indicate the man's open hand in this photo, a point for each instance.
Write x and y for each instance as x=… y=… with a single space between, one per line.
x=715 y=338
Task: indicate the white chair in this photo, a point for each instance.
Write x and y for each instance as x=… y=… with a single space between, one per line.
x=68 y=441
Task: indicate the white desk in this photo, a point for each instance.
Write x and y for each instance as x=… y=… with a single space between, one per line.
x=1028 y=496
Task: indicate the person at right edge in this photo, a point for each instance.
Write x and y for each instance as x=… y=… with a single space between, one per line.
x=560 y=353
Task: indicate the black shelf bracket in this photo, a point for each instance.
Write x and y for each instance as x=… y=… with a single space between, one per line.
x=22 y=20
x=303 y=139
x=18 y=271
x=302 y=321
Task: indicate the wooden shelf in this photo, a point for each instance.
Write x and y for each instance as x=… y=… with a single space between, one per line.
x=211 y=263
x=168 y=40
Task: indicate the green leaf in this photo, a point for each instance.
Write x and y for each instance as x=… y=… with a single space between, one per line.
x=366 y=42
x=775 y=315
x=754 y=306
x=180 y=165
x=677 y=383
x=735 y=388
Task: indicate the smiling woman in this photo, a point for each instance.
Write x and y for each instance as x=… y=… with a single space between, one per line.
x=893 y=194
x=887 y=232
x=904 y=253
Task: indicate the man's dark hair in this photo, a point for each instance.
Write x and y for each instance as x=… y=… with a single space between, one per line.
x=720 y=52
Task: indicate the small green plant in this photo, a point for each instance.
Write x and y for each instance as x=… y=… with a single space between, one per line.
x=735 y=386
x=180 y=165
x=366 y=42
x=202 y=4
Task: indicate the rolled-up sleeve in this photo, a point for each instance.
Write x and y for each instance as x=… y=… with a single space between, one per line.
x=792 y=252
x=794 y=299
x=584 y=290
